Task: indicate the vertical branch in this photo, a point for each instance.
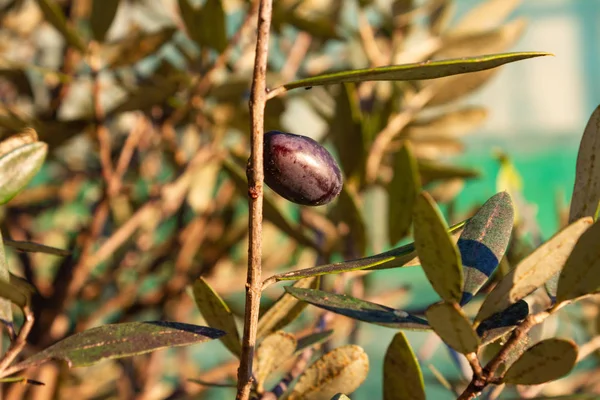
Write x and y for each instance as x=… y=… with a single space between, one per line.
x=258 y=99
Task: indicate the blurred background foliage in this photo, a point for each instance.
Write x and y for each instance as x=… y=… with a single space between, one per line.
x=144 y=106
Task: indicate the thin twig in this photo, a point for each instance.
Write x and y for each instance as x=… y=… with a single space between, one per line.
x=258 y=100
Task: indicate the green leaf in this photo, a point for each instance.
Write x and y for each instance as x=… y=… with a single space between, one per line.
x=394 y=258
x=433 y=171
x=102 y=16
x=503 y=322
x=416 y=71
x=271 y=211
x=402 y=377
x=358 y=309
x=346 y=132
x=217 y=314
x=546 y=361
x=343 y=369
x=22 y=379
x=30 y=247
x=440 y=258
x=18 y=167
x=7 y=292
x=286 y=309
x=311 y=340
x=273 y=351
x=452 y=325
x=579 y=276
x=485 y=16
x=121 y=340
x=534 y=270
x=206 y=26
x=402 y=193
x=54 y=15
x=347 y=210
x=484 y=241
x=586 y=192
x=16 y=295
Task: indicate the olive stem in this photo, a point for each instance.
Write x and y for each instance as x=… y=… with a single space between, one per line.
x=257 y=103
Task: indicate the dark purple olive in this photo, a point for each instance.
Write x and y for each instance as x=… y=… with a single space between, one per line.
x=300 y=169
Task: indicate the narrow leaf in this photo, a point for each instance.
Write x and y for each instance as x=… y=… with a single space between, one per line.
x=440 y=258
x=54 y=15
x=7 y=292
x=206 y=26
x=346 y=133
x=343 y=369
x=580 y=274
x=102 y=16
x=402 y=377
x=433 y=171
x=18 y=167
x=121 y=340
x=503 y=322
x=348 y=210
x=402 y=193
x=285 y=310
x=358 y=309
x=534 y=270
x=311 y=340
x=546 y=361
x=272 y=352
x=416 y=71
x=440 y=16
x=394 y=258
x=586 y=192
x=30 y=247
x=483 y=242
x=217 y=314
x=14 y=294
x=452 y=325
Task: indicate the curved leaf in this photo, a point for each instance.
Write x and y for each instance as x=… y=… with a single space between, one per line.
x=586 y=192
x=313 y=339
x=546 y=361
x=31 y=247
x=7 y=292
x=452 y=325
x=273 y=351
x=206 y=25
x=402 y=377
x=217 y=314
x=394 y=258
x=285 y=309
x=580 y=274
x=416 y=71
x=27 y=136
x=402 y=193
x=534 y=270
x=343 y=369
x=358 y=309
x=102 y=16
x=18 y=167
x=440 y=258
x=122 y=340
x=483 y=242
x=54 y=15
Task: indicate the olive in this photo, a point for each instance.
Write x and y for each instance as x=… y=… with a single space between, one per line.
x=300 y=169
